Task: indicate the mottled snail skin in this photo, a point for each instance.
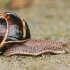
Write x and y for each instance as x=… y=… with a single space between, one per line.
x=37 y=47
x=15 y=38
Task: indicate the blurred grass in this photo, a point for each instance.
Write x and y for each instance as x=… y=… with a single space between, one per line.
x=6 y=2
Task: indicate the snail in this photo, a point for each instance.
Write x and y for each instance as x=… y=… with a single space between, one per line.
x=15 y=38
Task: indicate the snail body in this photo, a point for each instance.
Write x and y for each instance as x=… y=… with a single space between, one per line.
x=37 y=47
x=15 y=36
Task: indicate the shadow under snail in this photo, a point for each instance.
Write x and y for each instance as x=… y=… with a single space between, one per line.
x=15 y=38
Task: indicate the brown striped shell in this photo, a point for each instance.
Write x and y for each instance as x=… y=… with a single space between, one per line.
x=15 y=38
x=3 y=31
x=13 y=29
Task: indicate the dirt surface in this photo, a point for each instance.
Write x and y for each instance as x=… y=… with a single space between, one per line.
x=47 y=19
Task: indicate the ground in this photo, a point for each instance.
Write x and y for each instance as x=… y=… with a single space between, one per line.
x=47 y=19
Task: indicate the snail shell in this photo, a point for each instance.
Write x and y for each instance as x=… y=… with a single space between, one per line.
x=15 y=36
x=13 y=29
x=3 y=31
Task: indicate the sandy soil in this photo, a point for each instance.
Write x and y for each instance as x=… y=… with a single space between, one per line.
x=47 y=19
